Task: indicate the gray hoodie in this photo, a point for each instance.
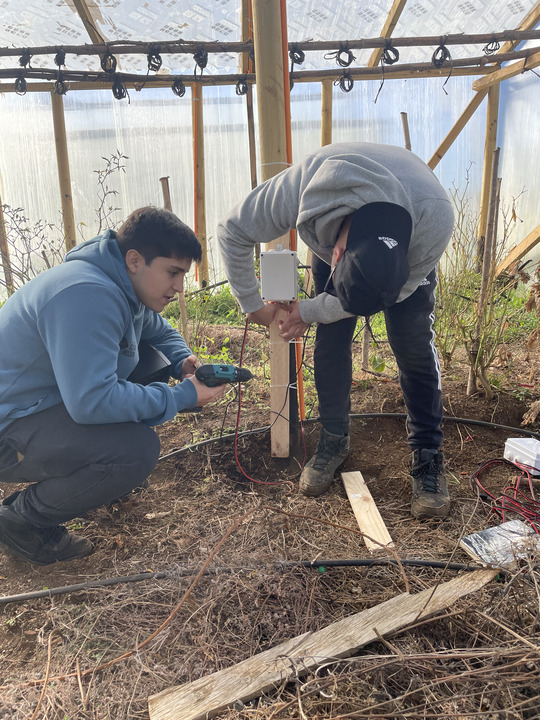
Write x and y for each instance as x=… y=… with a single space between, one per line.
x=315 y=195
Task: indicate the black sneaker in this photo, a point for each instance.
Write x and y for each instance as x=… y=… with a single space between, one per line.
x=318 y=473
x=41 y=546
x=430 y=498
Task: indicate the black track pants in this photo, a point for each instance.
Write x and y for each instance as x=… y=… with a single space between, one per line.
x=73 y=468
x=409 y=325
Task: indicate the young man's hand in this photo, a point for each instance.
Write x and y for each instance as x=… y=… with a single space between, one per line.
x=189 y=366
x=293 y=326
x=265 y=315
x=206 y=394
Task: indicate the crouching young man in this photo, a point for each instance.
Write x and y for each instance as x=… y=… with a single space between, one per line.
x=72 y=423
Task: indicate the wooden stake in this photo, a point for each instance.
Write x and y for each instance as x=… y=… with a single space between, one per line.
x=366 y=512
x=405 y=123
x=4 y=254
x=199 y=180
x=492 y=118
x=205 y=698
x=64 y=177
x=273 y=152
x=516 y=68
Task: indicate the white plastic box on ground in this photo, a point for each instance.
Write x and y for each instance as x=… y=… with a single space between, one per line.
x=525 y=451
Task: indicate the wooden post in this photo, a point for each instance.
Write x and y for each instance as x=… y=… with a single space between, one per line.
x=273 y=152
x=405 y=123
x=327 y=88
x=64 y=178
x=4 y=253
x=489 y=148
x=183 y=324
x=458 y=127
x=199 y=178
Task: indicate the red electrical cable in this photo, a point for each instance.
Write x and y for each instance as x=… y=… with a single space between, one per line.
x=512 y=498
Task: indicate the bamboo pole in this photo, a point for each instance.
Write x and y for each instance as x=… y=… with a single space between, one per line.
x=4 y=254
x=492 y=117
x=405 y=123
x=64 y=177
x=199 y=180
x=273 y=151
x=178 y=47
x=183 y=325
x=458 y=127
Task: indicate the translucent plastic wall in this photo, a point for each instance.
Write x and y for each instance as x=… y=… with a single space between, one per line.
x=153 y=130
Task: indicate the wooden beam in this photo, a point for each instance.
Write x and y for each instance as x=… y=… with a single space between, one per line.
x=366 y=512
x=516 y=68
x=208 y=696
x=83 y=11
x=519 y=251
x=199 y=179
x=458 y=127
x=269 y=66
x=529 y=22
x=492 y=120
x=388 y=29
x=64 y=177
x=178 y=47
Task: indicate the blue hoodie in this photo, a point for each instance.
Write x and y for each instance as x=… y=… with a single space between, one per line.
x=71 y=336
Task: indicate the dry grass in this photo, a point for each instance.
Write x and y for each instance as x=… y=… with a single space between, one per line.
x=98 y=654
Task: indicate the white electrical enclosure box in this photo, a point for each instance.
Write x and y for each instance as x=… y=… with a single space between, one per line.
x=525 y=451
x=279 y=275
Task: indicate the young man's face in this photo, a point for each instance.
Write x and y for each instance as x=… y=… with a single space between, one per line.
x=156 y=284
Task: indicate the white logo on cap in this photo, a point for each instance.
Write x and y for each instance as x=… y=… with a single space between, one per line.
x=389 y=242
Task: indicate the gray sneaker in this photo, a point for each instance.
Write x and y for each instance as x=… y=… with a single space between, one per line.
x=41 y=546
x=318 y=473
x=430 y=498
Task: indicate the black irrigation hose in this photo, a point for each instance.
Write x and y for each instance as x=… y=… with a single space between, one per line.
x=359 y=562
x=365 y=416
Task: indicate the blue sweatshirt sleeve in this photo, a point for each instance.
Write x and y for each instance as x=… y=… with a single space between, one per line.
x=82 y=327
x=158 y=332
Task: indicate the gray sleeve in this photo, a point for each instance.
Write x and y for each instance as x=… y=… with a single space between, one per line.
x=324 y=308
x=267 y=213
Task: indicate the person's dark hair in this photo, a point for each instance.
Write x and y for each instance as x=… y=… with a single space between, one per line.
x=155 y=232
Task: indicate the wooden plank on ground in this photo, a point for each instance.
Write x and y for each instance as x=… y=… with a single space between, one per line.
x=208 y=696
x=366 y=512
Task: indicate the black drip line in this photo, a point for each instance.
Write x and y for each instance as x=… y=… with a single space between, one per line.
x=25 y=58
x=154 y=58
x=241 y=87
x=108 y=63
x=345 y=82
x=178 y=88
x=297 y=57
x=440 y=56
x=119 y=90
x=20 y=85
x=343 y=57
x=201 y=60
x=389 y=56
x=492 y=47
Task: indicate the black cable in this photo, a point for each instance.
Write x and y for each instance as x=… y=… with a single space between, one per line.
x=363 y=416
x=183 y=572
x=108 y=63
x=178 y=88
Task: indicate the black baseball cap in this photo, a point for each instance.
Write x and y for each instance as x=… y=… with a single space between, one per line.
x=373 y=269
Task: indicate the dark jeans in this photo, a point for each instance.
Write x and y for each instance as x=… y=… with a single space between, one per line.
x=73 y=468
x=409 y=325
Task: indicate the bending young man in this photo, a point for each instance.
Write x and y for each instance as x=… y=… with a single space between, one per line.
x=72 y=424
x=377 y=221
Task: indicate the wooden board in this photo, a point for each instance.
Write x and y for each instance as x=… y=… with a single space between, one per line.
x=208 y=696
x=366 y=512
x=531 y=241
